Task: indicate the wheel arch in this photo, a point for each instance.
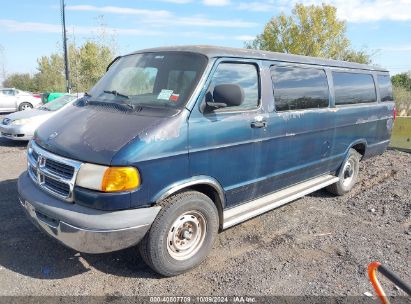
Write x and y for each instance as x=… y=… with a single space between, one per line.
x=204 y=184
x=24 y=101
x=359 y=145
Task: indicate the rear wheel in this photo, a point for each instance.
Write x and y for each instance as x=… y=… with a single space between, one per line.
x=25 y=106
x=348 y=174
x=182 y=235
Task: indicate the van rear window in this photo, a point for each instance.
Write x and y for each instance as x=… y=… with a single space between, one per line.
x=352 y=88
x=298 y=88
x=384 y=84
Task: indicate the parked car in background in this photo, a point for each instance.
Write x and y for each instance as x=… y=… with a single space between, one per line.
x=12 y=100
x=21 y=125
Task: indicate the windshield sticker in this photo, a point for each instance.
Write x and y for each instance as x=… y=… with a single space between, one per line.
x=174 y=97
x=165 y=94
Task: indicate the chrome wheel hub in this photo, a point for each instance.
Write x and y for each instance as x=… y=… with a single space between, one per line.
x=348 y=172
x=186 y=235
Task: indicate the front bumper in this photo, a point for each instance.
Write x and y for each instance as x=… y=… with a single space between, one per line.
x=81 y=228
x=22 y=132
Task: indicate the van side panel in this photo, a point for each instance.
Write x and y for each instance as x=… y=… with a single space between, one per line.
x=223 y=147
x=247 y=162
x=309 y=141
x=370 y=124
x=295 y=145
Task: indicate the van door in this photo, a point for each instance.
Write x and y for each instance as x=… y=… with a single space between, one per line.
x=302 y=95
x=223 y=135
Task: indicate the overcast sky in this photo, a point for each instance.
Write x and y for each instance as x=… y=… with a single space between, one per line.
x=30 y=29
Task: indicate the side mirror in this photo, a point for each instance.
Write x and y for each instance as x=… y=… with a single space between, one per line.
x=230 y=94
x=210 y=104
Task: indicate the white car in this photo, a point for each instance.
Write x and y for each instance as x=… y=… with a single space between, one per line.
x=21 y=125
x=12 y=100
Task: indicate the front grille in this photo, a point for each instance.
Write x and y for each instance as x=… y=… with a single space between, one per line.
x=35 y=155
x=56 y=186
x=60 y=169
x=32 y=170
x=52 y=173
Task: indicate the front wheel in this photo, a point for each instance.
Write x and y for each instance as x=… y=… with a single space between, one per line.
x=182 y=234
x=25 y=106
x=348 y=174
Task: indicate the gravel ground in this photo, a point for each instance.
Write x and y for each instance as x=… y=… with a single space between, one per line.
x=318 y=245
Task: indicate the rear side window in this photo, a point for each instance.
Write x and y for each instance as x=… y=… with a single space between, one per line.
x=352 y=88
x=298 y=88
x=384 y=84
x=8 y=92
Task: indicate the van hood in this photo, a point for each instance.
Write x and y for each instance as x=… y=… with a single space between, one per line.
x=96 y=133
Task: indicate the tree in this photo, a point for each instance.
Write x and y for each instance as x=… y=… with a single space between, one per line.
x=87 y=63
x=50 y=76
x=402 y=80
x=310 y=31
x=24 y=82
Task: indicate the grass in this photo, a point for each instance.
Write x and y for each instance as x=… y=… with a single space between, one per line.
x=402 y=99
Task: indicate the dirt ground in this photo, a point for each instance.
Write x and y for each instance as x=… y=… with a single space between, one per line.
x=317 y=245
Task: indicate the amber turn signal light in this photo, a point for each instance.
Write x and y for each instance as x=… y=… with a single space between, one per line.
x=120 y=179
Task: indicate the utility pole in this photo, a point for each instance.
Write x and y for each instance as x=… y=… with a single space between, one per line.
x=66 y=63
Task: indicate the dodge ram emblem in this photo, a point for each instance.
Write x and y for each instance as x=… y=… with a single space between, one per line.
x=53 y=135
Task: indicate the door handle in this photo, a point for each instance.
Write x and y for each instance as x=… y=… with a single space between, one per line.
x=259 y=124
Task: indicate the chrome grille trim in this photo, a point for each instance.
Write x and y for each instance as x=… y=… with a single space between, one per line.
x=62 y=169
x=36 y=161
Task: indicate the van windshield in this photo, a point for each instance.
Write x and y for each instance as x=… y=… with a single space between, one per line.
x=160 y=79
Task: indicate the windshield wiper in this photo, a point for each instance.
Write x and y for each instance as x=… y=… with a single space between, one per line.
x=114 y=92
x=131 y=106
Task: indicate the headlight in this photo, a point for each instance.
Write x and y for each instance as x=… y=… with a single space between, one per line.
x=108 y=179
x=24 y=121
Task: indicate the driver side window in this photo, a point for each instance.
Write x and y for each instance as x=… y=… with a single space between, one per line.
x=243 y=76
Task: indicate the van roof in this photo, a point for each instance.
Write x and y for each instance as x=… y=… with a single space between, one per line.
x=216 y=51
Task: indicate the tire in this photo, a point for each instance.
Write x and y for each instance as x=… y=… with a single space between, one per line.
x=25 y=106
x=348 y=174
x=172 y=246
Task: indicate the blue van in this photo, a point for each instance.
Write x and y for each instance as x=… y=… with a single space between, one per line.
x=175 y=144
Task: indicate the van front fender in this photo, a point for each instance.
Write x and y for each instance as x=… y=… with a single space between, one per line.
x=193 y=181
